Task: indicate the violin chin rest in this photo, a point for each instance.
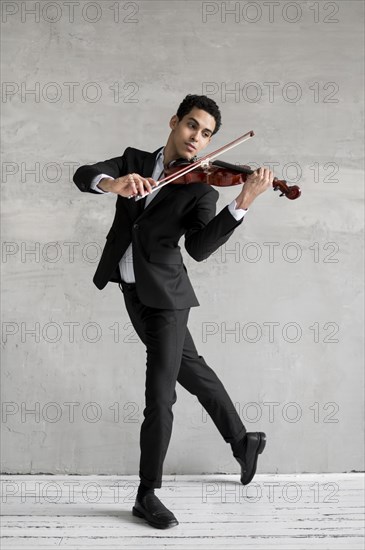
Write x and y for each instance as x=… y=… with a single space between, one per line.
x=179 y=161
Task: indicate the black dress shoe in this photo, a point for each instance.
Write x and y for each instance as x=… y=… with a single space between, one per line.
x=151 y=508
x=253 y=445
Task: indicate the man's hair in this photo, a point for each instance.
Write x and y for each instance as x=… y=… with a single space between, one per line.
x=201 y=102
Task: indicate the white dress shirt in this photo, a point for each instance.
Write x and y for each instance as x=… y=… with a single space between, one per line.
x=126 y=262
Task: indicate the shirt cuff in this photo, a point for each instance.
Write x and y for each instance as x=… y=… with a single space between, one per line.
x=236 y=213
x=95 y=181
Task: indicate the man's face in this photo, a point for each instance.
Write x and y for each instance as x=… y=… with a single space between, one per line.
x=192 y=133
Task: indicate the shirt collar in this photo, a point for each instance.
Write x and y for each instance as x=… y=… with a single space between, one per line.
x=160 y=155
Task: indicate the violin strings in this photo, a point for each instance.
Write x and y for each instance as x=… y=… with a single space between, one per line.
x=200 y=162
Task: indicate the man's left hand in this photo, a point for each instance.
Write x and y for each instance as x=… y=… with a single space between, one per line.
x=255 y=184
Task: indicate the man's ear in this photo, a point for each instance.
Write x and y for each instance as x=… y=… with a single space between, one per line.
x=174 y=122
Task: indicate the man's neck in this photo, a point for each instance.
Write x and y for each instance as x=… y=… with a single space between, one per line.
x=170 y=152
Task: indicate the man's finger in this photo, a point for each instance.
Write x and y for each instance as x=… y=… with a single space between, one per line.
x=147 y=184
x=141 y=188
x=133 y=184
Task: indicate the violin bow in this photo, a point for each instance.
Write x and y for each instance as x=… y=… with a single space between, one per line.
x=202 y=162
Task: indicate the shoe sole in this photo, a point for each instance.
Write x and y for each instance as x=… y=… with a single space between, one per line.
x=139 y=514
x=260 y=448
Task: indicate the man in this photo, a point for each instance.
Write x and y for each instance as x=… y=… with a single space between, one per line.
x=142 y=255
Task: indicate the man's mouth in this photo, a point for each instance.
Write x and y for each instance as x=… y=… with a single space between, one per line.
x=191 y=147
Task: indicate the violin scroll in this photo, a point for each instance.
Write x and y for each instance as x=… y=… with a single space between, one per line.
x=291 y=192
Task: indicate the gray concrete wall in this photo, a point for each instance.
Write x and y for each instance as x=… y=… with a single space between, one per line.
x=281 y=315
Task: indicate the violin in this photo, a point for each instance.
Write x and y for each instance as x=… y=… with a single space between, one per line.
x=223 y=174
x=217 y=173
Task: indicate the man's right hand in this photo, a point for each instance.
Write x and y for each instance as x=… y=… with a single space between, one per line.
x=129 y=185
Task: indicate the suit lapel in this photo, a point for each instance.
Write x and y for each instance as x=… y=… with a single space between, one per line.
x=137 y=208
x=147 y=169
x=147 y=164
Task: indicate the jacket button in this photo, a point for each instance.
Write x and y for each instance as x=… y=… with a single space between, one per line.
x=136 y=226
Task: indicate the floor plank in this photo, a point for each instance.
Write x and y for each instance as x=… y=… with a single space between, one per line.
x=290 y=512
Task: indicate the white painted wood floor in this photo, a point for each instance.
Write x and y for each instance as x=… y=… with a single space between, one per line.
x=214 y=512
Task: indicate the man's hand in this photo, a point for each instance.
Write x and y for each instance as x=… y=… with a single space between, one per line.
x=255 y=184
x=129 y=185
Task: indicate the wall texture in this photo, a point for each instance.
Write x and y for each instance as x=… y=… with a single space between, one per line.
x=281 y=315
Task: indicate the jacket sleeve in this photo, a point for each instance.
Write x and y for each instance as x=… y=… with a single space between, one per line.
x=115 y=167
x=206 y=231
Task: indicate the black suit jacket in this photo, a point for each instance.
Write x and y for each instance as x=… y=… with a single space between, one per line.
x=161 y=277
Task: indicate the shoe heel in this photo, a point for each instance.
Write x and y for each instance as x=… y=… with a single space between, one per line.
x=137 y=513
x=262 y=442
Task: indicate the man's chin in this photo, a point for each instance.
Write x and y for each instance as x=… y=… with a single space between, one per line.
x=187 y=155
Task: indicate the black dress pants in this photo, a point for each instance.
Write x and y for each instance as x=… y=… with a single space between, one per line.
x=171 y=356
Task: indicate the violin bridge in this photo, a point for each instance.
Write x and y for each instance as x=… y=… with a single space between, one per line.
x=205 y=164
